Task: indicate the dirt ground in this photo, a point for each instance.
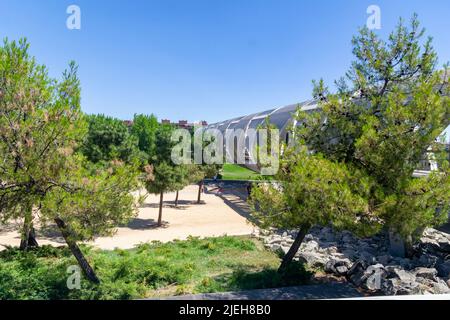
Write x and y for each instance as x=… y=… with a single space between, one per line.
x=219 y=213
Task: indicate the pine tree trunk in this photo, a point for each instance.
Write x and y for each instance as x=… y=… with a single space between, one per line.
x=397 y=245
x=287 y=259
x=200 y=186
x=84 y=264
x=161 y=199
x=176 y=200
x=28 y=233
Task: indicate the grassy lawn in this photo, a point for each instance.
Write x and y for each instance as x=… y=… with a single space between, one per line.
x=236 y=172
x=149 y=270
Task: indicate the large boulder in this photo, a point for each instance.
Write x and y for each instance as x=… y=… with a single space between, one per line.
x=309 y=246
x=313 y=259
x=395 y=286
x=338 y=267
x=440 y=287
x=370 y=278
x=426 y=273
x=403 y=275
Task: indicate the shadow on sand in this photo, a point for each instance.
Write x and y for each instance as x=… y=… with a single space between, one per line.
x=145 y=224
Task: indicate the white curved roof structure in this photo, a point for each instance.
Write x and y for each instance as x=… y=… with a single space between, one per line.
x=281 y=117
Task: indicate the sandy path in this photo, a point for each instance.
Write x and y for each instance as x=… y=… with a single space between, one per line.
x=218 y=215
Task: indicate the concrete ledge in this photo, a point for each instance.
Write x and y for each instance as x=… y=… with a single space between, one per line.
x=322 y=291
x=410 y=297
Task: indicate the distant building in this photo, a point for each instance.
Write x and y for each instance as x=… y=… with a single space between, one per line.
x=128 y=123
x=184 y=124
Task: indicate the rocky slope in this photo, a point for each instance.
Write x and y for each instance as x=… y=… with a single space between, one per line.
x=367 y=263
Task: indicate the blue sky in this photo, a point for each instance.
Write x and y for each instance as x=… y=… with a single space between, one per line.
x=204 y=59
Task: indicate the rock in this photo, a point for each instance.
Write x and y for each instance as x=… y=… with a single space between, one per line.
x=275 y=247
x=384 y=259
x=341 y=270
x=444 y=269
x=331 y=250
x=427 y=260
x=274 y=241
x=312 y=259
x=338 y=267
x=435 y=287
x=370 y=250
x=309 y=237
x=426 y=273
x=327 y=235
x=374 y=281
x=444 y=245
x=285 y=249
x=430 y=246
x=310 y=246
x=356 y=273
x=366 y=256
x=367 y=263
x=398 y=287
x=440 y=287
x=289 y=241
x=370 y=279
x=347 y=238
x=350 y=253
x=405 y=276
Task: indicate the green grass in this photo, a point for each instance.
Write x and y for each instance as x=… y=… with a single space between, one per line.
x=236 y=172
x=149 y=270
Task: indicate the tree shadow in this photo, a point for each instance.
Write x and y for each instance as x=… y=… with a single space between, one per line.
x=168 y=204
x=239 y=204
x=295 y=274
x=9 y=227
x=50 y=232
x=295 y=283
x=247 y=279
x=145 y=224
x=182 y=204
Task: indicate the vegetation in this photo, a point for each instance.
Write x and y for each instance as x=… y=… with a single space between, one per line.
x=355 y=170
x=41 y=126
x=236 y=172
x=144 y=129
x=163 y=175
x=108 y=139
x=201 y=172
x=156 y=269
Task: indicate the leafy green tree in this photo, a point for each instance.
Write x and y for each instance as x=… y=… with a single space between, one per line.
x=144 y=128
x=166 y=177
x=199 y=173
x=387 y=113
x=371 y=135
x=41 y=125
x=311 y=190
x=182 y=180
x=107 y=139
x=162 y=175
x=35 y=112
x=200 y=170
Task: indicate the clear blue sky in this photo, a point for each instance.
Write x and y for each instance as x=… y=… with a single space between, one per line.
x=204 y=59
